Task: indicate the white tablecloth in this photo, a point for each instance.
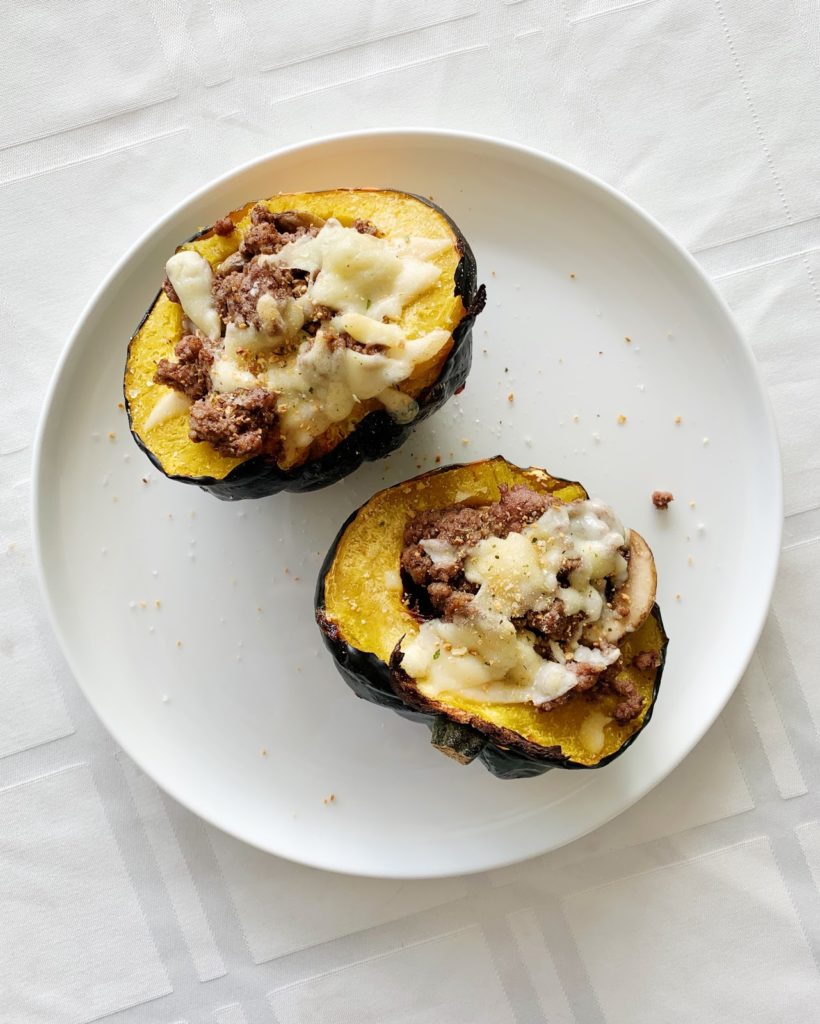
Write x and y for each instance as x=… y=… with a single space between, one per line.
x=701 y=903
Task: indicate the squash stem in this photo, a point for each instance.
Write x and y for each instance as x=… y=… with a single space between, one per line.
x=461 y=742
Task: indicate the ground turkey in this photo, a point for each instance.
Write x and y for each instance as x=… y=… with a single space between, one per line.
x=237 y=424
x=191 y=373
x=238 y=286
x=269 y=232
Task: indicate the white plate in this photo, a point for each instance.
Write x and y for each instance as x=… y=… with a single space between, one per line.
x=552 y=373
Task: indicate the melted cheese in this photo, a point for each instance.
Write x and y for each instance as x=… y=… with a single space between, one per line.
x=441 y=552
x=367 y=375
x=361 y=273
x=481 y=655
x=401 y=407
x=371 y=332
x=392 y=580
x=510 y=575
x=246 y=338
x=192 y=278
x=280 y=318
x=520 y=572
x=323 y=382
x=410 y=351
x=227 y=375
x=367 y=280
x=172 y=403
x=490 y=661
x=591 y=733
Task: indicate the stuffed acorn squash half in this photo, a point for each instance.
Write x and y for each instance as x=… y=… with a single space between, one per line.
x=299 y=336
x=504 y=608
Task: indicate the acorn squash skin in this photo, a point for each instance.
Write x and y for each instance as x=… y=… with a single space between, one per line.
x=505 y=754
x=377 y=434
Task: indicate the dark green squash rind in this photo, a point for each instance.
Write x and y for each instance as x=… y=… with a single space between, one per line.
x=461 y=742
x=373 y=680
x=377 y=435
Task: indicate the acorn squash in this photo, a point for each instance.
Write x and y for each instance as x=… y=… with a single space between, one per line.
x=174 y=435
x=366 y=612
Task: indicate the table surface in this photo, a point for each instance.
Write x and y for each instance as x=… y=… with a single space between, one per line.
x=700 y=903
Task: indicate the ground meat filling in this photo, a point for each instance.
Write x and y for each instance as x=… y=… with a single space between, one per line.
x=168 y=288
x=632 y=703
x=464 y=525
x=269 y=231
x=364 y=227
x=661 y=499
x=439 y=589
x=242 y=279
x=320 y=315
x=237 y=289
x=241 y=423
x=645 y=661
x=554 y=623
x=449 y=600
x=224 y=226
x=191 y=373
x=344 y=340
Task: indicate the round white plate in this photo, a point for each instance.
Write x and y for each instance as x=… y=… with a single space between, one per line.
x=188 y=622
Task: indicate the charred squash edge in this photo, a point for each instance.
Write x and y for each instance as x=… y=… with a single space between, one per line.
x=377 y=435
x=505 y=754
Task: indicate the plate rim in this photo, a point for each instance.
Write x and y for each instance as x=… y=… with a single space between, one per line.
x=772 y=555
